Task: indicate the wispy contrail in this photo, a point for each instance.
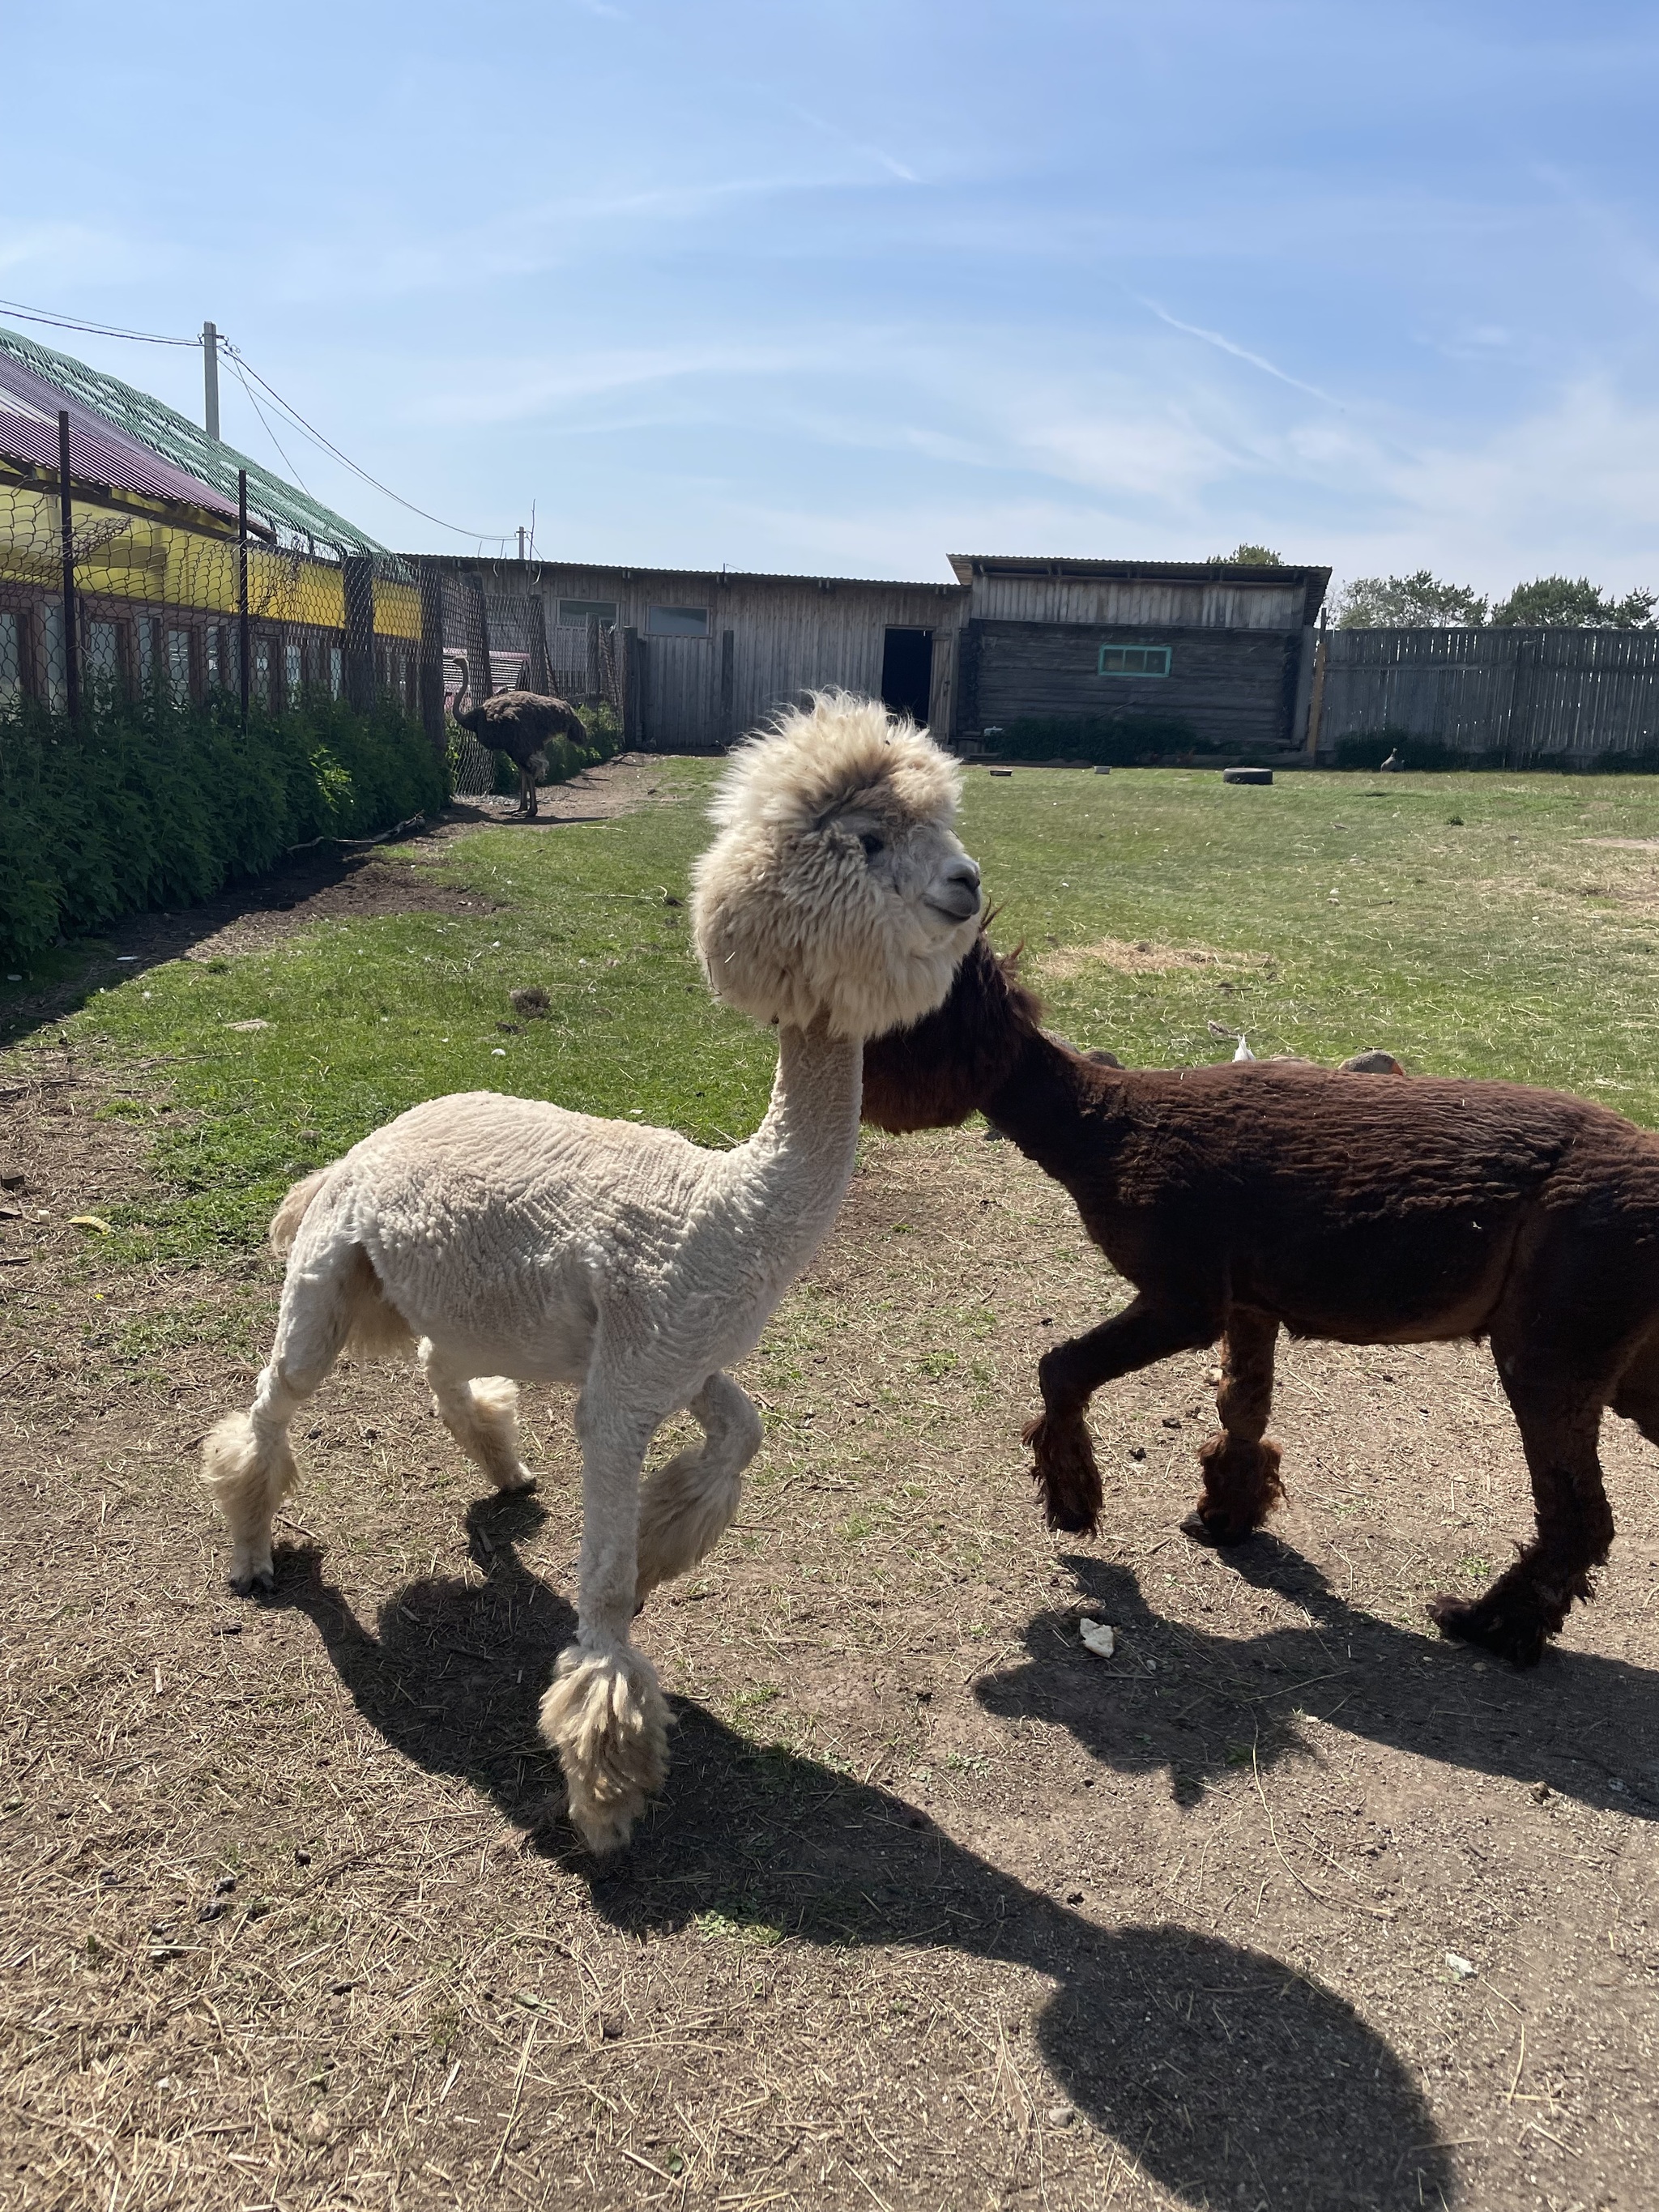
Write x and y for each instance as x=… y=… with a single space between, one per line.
x=1238 y=352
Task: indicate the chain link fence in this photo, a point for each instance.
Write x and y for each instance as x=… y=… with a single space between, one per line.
x=496 y=637
x=104 y=597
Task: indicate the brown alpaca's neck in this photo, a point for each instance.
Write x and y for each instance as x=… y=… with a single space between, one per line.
x=1042 y=1103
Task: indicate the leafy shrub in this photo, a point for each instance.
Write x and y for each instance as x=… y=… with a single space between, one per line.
x=1109 y=740
x=144 y=803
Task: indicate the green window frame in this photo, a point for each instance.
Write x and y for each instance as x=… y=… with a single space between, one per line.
x=1133 y=661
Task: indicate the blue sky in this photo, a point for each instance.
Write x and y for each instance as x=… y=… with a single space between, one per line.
x=850 y=287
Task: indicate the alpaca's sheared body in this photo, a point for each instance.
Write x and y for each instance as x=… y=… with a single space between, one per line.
x=1371 y=1209
x=513 y=1239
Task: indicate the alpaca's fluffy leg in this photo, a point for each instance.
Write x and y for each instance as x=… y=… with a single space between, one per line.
x=691 y=1503
x=1240 y=1463
x=246 y=1462
x=482 y=1414
x=1559 y=1418
x=1065 y=1470
x=603 y=1712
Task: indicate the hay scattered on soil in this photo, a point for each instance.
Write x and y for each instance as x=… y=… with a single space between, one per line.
x=1142 y=957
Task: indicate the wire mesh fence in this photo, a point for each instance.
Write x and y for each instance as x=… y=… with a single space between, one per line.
x=495 y=637
x=103 y=595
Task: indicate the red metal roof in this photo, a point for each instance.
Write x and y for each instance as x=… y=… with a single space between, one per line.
x=99 y=454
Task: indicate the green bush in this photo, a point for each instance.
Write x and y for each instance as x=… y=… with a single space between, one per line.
x=146 y=804
x=1111 y=740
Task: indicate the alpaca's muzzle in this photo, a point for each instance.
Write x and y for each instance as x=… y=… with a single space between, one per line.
x=957 y=894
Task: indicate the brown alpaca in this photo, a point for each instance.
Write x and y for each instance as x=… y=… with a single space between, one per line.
x=1373 y=1209
x=520 y=724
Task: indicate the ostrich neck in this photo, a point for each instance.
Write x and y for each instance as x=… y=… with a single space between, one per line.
x=795 y=1169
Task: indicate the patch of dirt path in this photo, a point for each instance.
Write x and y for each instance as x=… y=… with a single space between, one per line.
x=1286 y=1904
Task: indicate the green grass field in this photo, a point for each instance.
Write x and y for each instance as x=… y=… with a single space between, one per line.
x=1468 y=923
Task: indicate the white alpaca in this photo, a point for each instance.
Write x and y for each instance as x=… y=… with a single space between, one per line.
x=513 y=1238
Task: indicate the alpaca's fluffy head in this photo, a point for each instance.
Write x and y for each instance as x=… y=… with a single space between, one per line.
x=836 y=889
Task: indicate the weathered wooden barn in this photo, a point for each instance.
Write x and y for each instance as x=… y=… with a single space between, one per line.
x=1217 y=651
x=706 y=654
x=1223 y=650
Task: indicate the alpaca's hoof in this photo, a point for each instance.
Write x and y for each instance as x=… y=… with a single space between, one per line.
x=606 y=1717
x=262 y=1579
x=1217 y=1533
x=526 y=1481
x=1511 y=1636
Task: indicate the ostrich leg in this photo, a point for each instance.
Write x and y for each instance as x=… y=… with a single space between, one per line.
x=1241 y=1465
x=1070 y=1374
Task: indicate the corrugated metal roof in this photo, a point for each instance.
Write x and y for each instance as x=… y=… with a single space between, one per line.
x=638 y=571
x=98 y=453
x=109 y=413
x=966 y=565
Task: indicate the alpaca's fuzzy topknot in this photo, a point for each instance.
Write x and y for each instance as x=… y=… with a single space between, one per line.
x=814 y=759
x=793 y=921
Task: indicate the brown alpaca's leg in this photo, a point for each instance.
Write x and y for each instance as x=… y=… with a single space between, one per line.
x=1065 y=1470
x=1637 y=1398
x=1241 y=1465
x=1559 y=1420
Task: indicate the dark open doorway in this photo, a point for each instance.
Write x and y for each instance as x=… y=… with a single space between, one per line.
x=906 y=672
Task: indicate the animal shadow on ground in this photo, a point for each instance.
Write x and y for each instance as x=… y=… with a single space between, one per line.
x=1579 y=1723
x=1204 y=2059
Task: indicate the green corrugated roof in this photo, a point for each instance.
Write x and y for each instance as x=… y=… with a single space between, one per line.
x=292 y=513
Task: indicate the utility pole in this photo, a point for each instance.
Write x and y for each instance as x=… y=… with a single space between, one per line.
x=210 y=380
x=521 y=541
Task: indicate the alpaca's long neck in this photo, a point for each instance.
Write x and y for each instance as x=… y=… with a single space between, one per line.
x=1051 y=1104
x=794 y=1170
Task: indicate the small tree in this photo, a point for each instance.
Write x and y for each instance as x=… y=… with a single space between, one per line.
x=1416 y=602
x=1558 y=603
x=1247 y=557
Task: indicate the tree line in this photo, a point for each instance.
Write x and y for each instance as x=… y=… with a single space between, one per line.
x=1422 y=601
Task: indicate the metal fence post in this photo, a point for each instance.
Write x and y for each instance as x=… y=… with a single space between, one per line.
x=432 y=652
x=244 y=642
x=541 y=668
x=357 y=582
x=66 y=510
x=481 y=676
x=632 y=670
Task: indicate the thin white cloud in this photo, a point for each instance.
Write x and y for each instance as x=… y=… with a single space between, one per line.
x=1238 y=352
x=493 y=392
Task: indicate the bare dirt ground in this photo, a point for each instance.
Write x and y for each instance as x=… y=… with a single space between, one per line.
x=1285 y=1904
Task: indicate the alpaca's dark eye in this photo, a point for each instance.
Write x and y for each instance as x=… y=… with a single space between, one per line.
x=871 y=845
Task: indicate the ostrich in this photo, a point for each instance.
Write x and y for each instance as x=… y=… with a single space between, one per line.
x=516 y=1240
x=520 y=724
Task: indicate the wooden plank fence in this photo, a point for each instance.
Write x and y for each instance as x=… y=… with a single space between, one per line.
x=1509 y=696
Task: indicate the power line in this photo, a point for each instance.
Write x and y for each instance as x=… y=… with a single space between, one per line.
x=238 y=362
x=482 y=537
x=236 y=371
x=98 y=330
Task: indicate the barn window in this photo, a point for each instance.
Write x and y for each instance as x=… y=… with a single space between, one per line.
x=575 y=614
x=676 y=622
x=1133 y=660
